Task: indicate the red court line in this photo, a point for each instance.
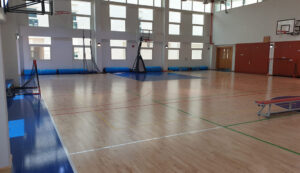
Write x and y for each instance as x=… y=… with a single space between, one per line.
x=125 y=107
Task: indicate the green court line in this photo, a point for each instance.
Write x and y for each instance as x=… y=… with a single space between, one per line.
x=233 y=130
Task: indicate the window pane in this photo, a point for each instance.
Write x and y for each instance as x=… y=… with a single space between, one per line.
x=174 y=29
x=175 y=4
x=237 y=3
x=117 y=11
x=117 y=25
x=217 y=6
x=146 y=54
x=132 y=1
x=174 y=44
x=39 y=40
x=198 y=19
x=147 y=44
x=118 y=43
x=79 y=41
x=197 y=45
x=196 y=54
x=81 y=7
x=146 y=2
x=118 y=53
x=146 y=26
x=174 y=17
x=79 y=54
x=40 y=53
x=198 y=6
x=173 y=54
x=187 y=5
x=38 y=20
x=208 y=8
x=121 y=1
x=247 y=2
x=80 y=22
x=197 y=30
x=145 y=14
x=157 y=3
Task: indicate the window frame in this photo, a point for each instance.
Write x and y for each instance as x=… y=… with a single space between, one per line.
x=174 y=23
x=83 y=47
x=118 y=47
x=117 y=18
x=173 y=48
x=82 y=15
x=201 y=49
x=40 y=45
x=198 y=25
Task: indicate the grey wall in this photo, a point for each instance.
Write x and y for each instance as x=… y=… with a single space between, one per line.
x=61 y=32
x=251 y=23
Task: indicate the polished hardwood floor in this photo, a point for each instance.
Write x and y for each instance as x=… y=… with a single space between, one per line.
x=114 y=124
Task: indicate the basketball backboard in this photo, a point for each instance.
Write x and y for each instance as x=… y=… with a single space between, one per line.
x=28 y=6
x=285 y=26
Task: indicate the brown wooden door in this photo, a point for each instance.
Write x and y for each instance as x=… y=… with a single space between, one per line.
x=224 y=58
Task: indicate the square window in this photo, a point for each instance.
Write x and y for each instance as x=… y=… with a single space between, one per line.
x=38 y=20
x=118 y=43
x=39 y=40
x=117 y=25
x=146 y=54
x=208 y=8
x=80 y=22
x=173 y=45
x=175 y=4
x=197 y=45
x=237 y=3
x=247 y=2
x=118 y=53
x=145 y=14
x=79 y=41
x=79 y=53
x=174 y=17
x=157 y=3
x=146 y=2
x=174 y=29
x=198 y=6
x=187 y=5
x=197 y=54
x=40 y=53
x=173 y=54
x=81 y=7
x=198 y=30
x=198 y=19
x=132 y=1
x=146 y=26
x=117 y=11
x=147 y=44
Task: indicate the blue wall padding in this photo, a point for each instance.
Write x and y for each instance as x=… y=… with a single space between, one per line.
x=116 y=69
x=183 y=68
x=154 y=69
x=173 y=68
x=27 y=72
x=72 y=71
x=47 y=71
x=188 y=68
x=9 y=83
x=16 y=128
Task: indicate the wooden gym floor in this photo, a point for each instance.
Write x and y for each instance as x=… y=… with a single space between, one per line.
x=114 y=124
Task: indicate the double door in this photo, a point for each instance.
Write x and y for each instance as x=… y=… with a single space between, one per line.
x=224 y=58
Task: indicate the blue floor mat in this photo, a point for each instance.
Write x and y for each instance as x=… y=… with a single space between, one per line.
x=34 y=142
x=155 y=76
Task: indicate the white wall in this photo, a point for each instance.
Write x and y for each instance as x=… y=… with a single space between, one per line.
x=4 y=139
x=251 y=23
x=61 y=32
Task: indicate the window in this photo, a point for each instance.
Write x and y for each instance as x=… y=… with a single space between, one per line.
x=247 y=2
x=146 y=2
x=157 y=3
x=81 y=11
x=117 y=16
x=132 y=1
x=198 y=6
x=118 y=49
x=174 y=23
x=146 y=50
x=173 y=51
x=198 y=22
x=187 y=5
x=146 y=18
x=175 y=4
x=197 y=51
x=81 y=51
x=40 y=47
x=208 y=8
x=37 y=20
x=237 y=3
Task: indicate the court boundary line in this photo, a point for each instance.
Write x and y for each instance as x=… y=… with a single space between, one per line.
x=60 y=138
x=147 y=140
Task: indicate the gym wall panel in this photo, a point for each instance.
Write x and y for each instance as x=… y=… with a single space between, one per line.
x=287 y=58
x=252 y=58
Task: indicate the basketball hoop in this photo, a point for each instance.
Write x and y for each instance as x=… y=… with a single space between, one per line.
x=62 y=12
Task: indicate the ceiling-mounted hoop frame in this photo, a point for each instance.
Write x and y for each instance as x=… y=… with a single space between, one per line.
x=22 y=8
